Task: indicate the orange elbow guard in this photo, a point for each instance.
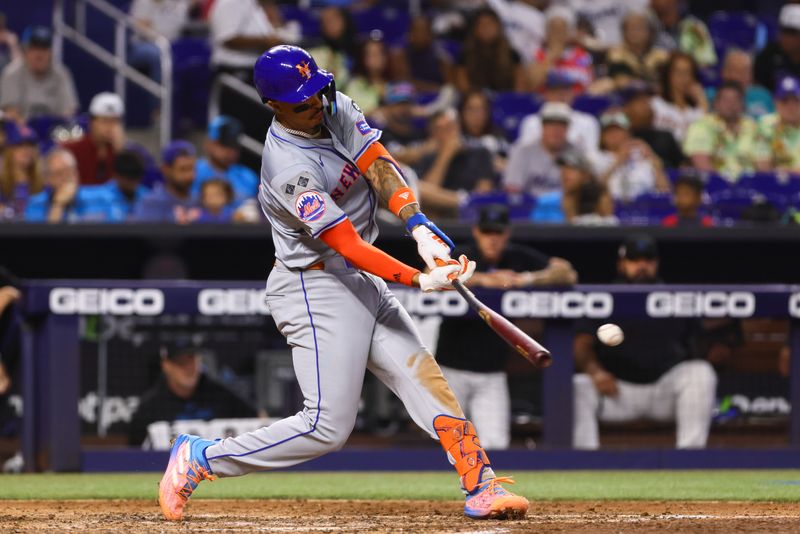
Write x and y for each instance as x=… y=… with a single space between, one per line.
x=460 y=442
x=344 y=239
x=401 y=198
x=372 y=153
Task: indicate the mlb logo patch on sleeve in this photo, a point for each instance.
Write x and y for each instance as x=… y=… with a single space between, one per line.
x=310 y=206
x=363 y=127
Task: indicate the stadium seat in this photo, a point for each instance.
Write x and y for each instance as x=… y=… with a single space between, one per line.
x=391 y=21
x=43 y=126
x=769 y=183
x=716 y=183
x=729 y=205
x=733 y=30
x=592 y=104
x=647 y=208
x=452 y=47
x=520 y=205
x=308 y=20
x=510 y=108
x=192 y=83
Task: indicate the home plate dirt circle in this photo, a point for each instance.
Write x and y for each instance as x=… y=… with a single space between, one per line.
x=298 y=516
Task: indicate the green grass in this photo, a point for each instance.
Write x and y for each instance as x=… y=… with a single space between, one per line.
x=751 y=485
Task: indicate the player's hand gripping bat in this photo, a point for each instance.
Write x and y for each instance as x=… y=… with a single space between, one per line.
x=528 y=347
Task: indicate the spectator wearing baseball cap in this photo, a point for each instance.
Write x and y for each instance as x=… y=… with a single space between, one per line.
x=105 y=136
x=116 y=200
x=402 y=135
x=532 y=167
x=35 y=85
x=473 y=359
x=222 y=159
x=20 y=173
x=582 y=200
x=624 y=164
x=657 y=373
x=723 y=141
x=172 y=201
x=184 y=391
x=688 y=200
x=782 y=56
x=583 y=131
x=777 y=145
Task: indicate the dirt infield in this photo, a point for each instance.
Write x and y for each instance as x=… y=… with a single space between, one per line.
x=299 y=516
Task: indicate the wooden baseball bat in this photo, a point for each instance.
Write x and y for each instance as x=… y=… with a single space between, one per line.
x=528 y=347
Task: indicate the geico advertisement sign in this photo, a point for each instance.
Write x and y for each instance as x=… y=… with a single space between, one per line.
x=232 y=302
x=567 y=304
x=794 y=305
x=701 y=304
x=570 y=304
x=448 y=304
x=118 y=301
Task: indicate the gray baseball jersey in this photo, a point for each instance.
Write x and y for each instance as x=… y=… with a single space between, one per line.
x=311 y=185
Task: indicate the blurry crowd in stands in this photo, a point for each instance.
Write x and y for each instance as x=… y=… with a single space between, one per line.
x=593 y=112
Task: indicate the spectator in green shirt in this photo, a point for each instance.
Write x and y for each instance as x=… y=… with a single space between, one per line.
x=723 y=141
x=778 y=144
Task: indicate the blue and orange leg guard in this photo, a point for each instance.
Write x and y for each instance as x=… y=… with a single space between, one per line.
x=460 y=441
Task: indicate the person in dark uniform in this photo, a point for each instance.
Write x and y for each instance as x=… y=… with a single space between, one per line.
x=655 y=373
x=182 y=392
x=471 y=356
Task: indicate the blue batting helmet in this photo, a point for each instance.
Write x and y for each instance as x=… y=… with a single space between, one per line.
x=289 y=74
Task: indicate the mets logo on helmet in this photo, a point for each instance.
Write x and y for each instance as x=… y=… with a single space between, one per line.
x=310 y=206
x=304 y=69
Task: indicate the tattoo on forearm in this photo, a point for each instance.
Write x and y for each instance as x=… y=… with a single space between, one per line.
x=386 y=178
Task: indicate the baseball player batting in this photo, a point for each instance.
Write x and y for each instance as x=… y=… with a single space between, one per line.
x=323 y=175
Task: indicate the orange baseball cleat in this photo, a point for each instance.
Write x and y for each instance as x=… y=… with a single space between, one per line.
x=187 y=467
x=492 y=501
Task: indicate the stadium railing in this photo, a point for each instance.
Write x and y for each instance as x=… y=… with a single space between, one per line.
x=117 y=60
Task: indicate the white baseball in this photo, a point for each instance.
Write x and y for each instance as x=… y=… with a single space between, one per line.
x=610 y=334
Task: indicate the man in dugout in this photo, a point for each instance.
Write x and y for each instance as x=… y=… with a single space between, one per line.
x=184 y=392
x=471 y=356
x=656 y=373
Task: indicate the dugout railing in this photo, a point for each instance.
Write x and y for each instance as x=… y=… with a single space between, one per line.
x=51 y=436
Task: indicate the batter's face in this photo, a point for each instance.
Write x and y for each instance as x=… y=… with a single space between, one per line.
x=305 y=116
